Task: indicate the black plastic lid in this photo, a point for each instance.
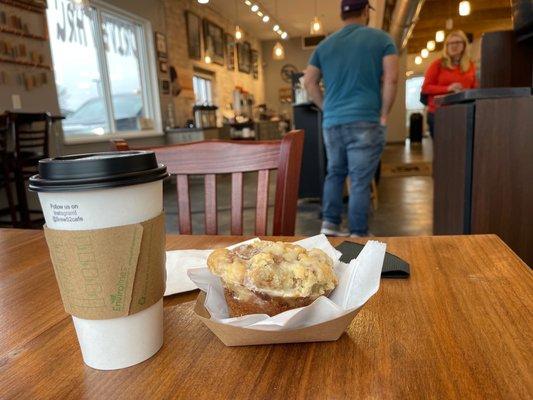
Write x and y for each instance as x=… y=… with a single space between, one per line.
x=97 y=171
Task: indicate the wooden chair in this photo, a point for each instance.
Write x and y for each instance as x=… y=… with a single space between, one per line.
x=374 y=196
x=210 y=158
x=31 y=132
x=5 y=172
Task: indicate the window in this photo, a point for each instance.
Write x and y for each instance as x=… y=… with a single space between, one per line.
x=101 y=63
x=203 y=90
x=413 y=87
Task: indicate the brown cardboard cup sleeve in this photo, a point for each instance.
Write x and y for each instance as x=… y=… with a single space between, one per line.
x=109 y=273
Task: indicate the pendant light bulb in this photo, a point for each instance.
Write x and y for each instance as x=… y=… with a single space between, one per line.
x=207 y=59
x=203 y=1
x=440 y=36
x=424 y=53
x=316 y=26
x=275 y=28
x=431 y=45
x=418 y=60
x=238 y=33
x=284 y=35
x=464 y=8
x=278 y=52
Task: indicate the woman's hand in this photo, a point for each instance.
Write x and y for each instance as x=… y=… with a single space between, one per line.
x=455 y=87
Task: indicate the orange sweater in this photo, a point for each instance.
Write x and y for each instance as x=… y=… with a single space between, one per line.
x=438 y=78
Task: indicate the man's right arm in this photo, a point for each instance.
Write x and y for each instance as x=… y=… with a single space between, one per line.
x=390 y=85
x=312 y=85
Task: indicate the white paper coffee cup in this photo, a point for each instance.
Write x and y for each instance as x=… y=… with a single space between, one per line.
x=121 y=342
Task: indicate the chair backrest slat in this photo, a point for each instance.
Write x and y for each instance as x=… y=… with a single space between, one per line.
x=35 y=131
x=287 y=185
x=210 y=158
x=4 y=131
x=236 y=203
x=211 y=224
x=219 y=157
x=184 y=205
x=261 y=212
x=32 y=132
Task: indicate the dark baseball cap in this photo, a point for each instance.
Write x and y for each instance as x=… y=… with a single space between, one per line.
x=354 y=5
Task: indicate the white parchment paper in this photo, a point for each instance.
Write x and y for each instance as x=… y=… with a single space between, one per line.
x=358 y=282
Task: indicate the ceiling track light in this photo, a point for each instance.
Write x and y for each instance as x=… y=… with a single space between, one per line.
x=276 y=28
x=255 y=8
x=464 y=8
x=203 y=1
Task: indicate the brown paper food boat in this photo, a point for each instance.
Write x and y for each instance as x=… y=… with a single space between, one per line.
x=238 y=336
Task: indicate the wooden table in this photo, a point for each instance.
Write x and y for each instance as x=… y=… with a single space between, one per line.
x=460 y=327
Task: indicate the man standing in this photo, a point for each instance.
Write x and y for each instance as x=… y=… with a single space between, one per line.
x=359 y=67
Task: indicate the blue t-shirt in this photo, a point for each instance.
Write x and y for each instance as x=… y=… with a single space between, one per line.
x=351 y=62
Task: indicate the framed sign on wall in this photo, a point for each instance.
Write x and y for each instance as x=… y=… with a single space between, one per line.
x=214 y=42
x=230 y=52
x=194 y=35
x=244 y=57
x=161 y=45
x=255 y=64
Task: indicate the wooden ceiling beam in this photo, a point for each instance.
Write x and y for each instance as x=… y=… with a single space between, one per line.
x=454 y=4
x=486 y=15
x=418 y=43
x=478 y=27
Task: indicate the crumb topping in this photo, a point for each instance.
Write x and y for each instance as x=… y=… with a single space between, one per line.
x=275 y=268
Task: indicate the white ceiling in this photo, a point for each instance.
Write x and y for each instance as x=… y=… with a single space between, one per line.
x=294 y=16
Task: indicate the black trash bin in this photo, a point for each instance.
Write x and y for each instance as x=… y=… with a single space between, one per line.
x=416 y=127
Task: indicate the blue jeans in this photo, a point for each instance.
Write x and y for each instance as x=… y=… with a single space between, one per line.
x=352 y=149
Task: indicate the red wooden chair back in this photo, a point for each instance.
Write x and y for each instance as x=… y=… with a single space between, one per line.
x=210 y=158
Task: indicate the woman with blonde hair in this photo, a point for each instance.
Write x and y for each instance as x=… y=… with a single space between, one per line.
x=451 y=73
